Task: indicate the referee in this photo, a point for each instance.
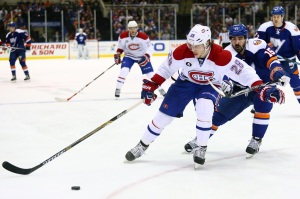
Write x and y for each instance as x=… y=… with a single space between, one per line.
x=224 y=37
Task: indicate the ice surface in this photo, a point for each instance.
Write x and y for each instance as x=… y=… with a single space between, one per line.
x=34 y=127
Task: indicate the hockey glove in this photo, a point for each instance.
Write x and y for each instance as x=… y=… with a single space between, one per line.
x=227 y=86
x=271 y=94
x=147 y=94
x=117 y=58
x=27 y=48
x=4 y=47
x=280 y=75
x=144 y=60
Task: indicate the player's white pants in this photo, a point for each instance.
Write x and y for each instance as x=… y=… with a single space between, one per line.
x=82 y=51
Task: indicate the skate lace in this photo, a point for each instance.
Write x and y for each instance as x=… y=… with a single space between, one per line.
x=193 y=144
x=138 y=150
x=200 y=152
x=254 y=144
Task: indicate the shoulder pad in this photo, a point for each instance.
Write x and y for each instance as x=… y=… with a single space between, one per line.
x=263 y=27
x=253 y=45
x=182 y=52
x=142 y=35
x=124 y=34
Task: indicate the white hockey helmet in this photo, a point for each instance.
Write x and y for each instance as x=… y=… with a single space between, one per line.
x=132 y=24
x=199 y=35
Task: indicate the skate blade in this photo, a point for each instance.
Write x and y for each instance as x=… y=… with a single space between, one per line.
x=249 y=156
x=197 y=166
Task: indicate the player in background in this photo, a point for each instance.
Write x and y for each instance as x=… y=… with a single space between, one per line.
x=224 y=37
x=79 y=41
x=200 y=61
x=255 y=52
x=15 y=40
x=137 y=48
x=284 y=36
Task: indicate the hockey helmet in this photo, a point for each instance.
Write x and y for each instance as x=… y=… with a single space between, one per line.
x=132 y=24
x=238 y=30
x=277 y=10
x=12 y=24
x=199 y=35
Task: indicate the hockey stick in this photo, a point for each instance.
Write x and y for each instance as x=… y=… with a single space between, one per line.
x=242 y=92
x=65 y=100
x=14 y=48
x=12 y=168
x=287 y=59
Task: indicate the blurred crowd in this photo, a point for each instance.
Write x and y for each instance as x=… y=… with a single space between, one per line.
x=252 y=14
x=74 y=12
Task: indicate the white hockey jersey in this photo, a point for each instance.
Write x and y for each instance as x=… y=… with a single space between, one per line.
x=134 y=47
x=216 y=65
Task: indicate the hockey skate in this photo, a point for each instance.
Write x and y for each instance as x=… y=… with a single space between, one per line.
x=136 y=152
x=14 y=78
x=117 y=93
x=199 y=156
x=253 y=147
x=191 y=146
x=27 y=78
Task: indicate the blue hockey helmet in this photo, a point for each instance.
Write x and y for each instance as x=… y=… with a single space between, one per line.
x=11 y=24
x=277 y=10
x=238 y=30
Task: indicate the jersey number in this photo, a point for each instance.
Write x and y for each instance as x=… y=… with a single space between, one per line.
x=237 y=67
x=270 y=52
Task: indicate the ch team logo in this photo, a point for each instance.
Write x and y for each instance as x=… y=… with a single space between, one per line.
x=201 y=77
x=133 y=46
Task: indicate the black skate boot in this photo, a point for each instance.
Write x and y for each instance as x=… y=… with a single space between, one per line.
x=117 y=93
x=136 y=152
x=14 y=78
x=191 y=146
x=199 y=156
x=253 y=147
x=27 y=78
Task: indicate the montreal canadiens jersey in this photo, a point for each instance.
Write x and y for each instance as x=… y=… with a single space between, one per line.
x=17 y=39
x=259 y=56
x=286 y=40
x=134 y=47
x=80 y=38
x=214 y=67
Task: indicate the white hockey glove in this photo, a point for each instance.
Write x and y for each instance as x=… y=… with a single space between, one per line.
x=227 y=87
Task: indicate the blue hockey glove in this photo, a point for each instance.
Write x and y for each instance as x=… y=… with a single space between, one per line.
x=271 y=94
x=147 y=94
x=117 y=58
x=144 y=60
x=280 y=75
x=27 y=47
x=227 y=86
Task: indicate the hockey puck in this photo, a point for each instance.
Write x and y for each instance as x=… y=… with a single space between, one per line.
x=75 y=188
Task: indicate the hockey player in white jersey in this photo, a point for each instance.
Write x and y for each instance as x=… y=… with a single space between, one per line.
x=255 y=52
x=79 y=41
x=284 y=36
x=137 y=48
x=200 y=61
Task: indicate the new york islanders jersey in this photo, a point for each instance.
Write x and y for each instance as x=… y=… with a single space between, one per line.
x=134 y=47
x=218 y=63
x=18 y=39
x=80 y=38
x=286 y=39
x=259 y=56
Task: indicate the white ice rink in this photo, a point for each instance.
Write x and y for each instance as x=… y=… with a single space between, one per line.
x=34 y=127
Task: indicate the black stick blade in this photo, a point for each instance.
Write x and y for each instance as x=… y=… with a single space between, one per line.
x=12 y=168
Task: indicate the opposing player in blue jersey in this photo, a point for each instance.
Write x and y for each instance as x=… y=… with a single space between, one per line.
x=15 y=40
x=256 y=53
x=284 y=36
x=80 y=39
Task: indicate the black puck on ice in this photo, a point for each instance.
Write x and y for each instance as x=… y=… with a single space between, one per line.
x=76 y=188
